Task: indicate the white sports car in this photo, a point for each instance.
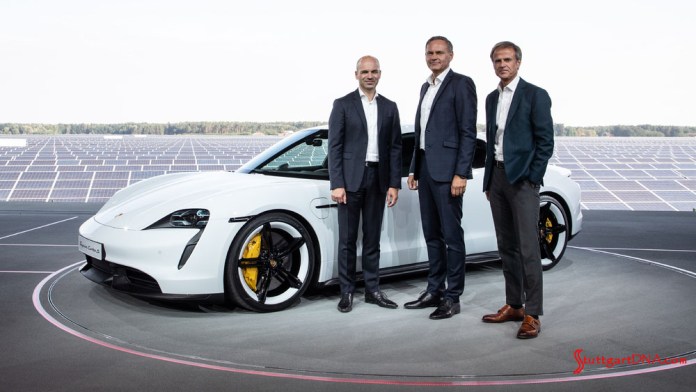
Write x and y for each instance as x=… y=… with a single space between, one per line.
x=260 y=236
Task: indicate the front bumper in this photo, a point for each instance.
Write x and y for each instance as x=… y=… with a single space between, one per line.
x=146 y=262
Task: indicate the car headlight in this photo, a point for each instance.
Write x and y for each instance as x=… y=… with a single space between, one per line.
x=189 y=218
x=193 y=218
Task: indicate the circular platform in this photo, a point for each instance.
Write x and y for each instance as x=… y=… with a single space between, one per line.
x=600 y=309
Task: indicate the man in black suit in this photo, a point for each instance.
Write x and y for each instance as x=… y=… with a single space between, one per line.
x=365 y=173
x=519 y=132
x=445 y=131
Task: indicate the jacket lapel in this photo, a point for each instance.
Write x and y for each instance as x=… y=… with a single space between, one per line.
x=424 y=88
x=359 y=108
x=442 y=88
x=380 y=114
x=492 y=110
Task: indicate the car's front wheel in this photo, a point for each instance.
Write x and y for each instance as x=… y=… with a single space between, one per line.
x=270 y=263
x=553 y=231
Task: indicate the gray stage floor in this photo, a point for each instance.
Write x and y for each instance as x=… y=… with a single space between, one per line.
x=625 y=288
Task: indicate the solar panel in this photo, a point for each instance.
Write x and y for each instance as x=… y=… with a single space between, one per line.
x=146 y=174
x=104 y=168
x=641 y=165
x=677 y=196
x=603 y=173
x=74 y=175
x=634 y=174
x=102 y=193
x=650 y=207
x=590 y=185
x=211 y=167
x=656 y=185
x=69 y=194
x=688 y=184
x=617 y=166
x=43 y=175
x=30 y=194
x=72 y=184
x=679 y=206
x=633 y=196
x=599 y=196
x=623 y=185
x=686 y=173
x=21 y=184
x=112 y=175
x=664 y=174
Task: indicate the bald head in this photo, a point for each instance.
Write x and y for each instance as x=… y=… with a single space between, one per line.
x=366 y=58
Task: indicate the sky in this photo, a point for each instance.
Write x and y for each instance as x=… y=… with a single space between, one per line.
x=609 y=62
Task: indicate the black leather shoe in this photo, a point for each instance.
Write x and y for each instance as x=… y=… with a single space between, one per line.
x=446 y=309
x=426 y=300
x=345 y=305
x=380 y=299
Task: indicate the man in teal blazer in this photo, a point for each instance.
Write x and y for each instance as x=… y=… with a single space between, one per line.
x=519 y=132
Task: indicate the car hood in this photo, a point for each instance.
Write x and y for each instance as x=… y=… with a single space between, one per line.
x=562 y=171
x=144 y=203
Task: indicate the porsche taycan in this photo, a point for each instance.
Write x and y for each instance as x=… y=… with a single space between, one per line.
x=260 y=236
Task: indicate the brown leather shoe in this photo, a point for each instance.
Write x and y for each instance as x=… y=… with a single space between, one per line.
x=530 y=328
x=506 y=313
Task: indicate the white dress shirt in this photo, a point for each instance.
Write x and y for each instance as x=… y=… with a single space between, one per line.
x=370 y=108
x=505 y=95
x=427 y=104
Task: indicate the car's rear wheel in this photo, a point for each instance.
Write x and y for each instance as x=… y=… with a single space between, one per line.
x=553 y=231
x=270 y=263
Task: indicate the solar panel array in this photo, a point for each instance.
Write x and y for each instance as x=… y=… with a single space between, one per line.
x=85 y=168
x=635 y=173
x=613 y=173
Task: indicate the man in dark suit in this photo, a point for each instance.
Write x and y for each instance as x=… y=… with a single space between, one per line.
x=445 y=131
x=519 y=132
x=365 y=173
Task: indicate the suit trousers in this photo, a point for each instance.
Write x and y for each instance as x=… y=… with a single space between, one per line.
x=515 y=209
x=441 y=218
x=368 y=201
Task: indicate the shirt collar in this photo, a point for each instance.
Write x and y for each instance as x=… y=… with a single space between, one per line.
x=439 y=77
x=512 y=86
x=363 y=95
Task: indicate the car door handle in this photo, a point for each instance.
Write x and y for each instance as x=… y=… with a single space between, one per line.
x=333 y=205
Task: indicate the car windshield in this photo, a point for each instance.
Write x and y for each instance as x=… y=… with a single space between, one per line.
x=307 y=158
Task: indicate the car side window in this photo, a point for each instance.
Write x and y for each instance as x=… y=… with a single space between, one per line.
x=306 y=159
x=408 y=144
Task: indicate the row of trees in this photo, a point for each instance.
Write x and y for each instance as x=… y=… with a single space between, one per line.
x=183 y=128
x=275 y=128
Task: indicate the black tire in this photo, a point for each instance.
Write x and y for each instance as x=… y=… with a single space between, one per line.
x=553 y=231
x=279 y=263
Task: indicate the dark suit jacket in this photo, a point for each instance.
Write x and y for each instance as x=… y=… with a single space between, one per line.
x=528 y=137
x=348 y=143
x=450 y=135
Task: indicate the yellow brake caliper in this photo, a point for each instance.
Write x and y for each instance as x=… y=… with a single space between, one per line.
x=252 y=251
x=549 y=236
